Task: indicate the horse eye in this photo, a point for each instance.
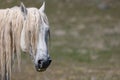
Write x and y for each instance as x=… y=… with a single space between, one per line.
x=48 y=32
x=47 y=36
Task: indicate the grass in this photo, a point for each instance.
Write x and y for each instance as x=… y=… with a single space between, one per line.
x=85 y=42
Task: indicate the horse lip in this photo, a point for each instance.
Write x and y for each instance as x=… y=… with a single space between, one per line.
x=40 y=69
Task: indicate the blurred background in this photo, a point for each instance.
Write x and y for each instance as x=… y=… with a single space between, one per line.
x=85 y=40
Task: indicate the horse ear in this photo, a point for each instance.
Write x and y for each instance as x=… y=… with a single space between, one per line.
x=42 y=8
x=23 y=9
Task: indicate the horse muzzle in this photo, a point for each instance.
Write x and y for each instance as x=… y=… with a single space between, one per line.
x=43 y=65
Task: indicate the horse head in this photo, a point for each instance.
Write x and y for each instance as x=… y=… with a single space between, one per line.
x=37 y=30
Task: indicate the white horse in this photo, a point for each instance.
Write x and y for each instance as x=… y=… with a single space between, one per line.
x=23 y=30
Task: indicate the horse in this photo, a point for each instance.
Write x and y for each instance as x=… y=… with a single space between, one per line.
x=23 y=30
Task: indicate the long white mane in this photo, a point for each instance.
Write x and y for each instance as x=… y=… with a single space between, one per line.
x=12 y=22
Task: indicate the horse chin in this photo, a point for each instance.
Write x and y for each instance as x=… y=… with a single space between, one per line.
x=40 y=70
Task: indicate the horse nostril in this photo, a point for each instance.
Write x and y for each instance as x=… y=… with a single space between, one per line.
x=49 y=61
x=39 y=61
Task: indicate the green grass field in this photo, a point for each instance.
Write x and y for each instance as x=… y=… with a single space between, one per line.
x=85 y=42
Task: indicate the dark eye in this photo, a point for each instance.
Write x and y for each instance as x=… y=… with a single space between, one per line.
x=47 y=36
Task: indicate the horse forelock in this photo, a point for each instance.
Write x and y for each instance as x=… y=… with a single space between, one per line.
x=11 y=25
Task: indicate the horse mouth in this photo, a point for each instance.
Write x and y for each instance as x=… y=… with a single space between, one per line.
x=40 y=70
